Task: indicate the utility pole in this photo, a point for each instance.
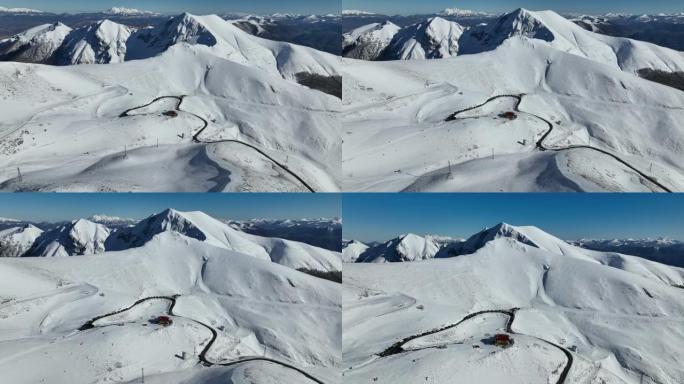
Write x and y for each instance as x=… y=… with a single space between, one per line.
x=157 y=142
x=143 y=375
x=125 y=152
x=21 y=178
x=492 y=153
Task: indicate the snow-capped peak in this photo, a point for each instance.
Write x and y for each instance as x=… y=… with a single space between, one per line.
x=101 y=42
x=356 y=12
x=19 y=10
x=407 y=247
x=7 y=220
x=80 y=237
x=122 y=11
x=459 y=12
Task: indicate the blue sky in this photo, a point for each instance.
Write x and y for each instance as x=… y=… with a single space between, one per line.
x=379 y=217
x=393 y=7
x=68 y=206
x=178 y=6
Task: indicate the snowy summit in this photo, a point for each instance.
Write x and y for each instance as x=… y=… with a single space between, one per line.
x=19 y=10
x=121 y=11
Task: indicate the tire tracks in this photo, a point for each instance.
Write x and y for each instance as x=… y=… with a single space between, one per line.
x=540 y=143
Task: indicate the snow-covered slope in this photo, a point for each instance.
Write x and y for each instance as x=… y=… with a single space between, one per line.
x=100 y=43
x=200 y=226
x=36 y=45
x=240 y=127
x=573 y=316
x=581 y=124
x=14 y=242
x=230 y=42
x=224 y=306
x=80 y=237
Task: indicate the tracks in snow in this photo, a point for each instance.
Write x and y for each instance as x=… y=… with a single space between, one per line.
x=214 y=335
x=205 y=124
x=540 y=143
x=397 y=347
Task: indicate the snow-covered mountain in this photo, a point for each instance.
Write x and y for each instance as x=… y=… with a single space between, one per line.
x=122 y=11
x=323 y=233
x=101 y=43
x=583 y=117
x=36 y=45
x=352 y=250
x=369 y=41
x=112 y=221
x=109 y=42
x=15 y=241
x=418 y=248
x=408 y=247
x=229 y=42
x=433 y=38
x=226 y=77
x=80 y=237
x=356 y=12
x=223 y=307
x=573 y=315
x=666 y=251
x=20 y=10
x=86 y=237
x=439 y=38
x=457 y=12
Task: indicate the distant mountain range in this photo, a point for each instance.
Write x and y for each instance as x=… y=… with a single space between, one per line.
x=412 y=247
x=663 y=29
x=100 y=233
x=317 y=31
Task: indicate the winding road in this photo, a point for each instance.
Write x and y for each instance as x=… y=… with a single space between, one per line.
x=214 y=335
x=397 y=347
x=205 y=124
x=540 y=143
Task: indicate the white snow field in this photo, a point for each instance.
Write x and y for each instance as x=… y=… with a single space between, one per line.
x=235 y=317
x=583 y=120
x=574 y=316
x=236 y=117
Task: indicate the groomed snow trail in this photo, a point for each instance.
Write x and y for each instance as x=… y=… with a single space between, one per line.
x=397 y=347
x=205 y=124
x=214 y=335
x=540 y=143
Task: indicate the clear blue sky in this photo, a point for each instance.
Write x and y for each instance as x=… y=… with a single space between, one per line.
x=379 y=217
x=68 y=206
x=392 y=7
x=179 y=6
